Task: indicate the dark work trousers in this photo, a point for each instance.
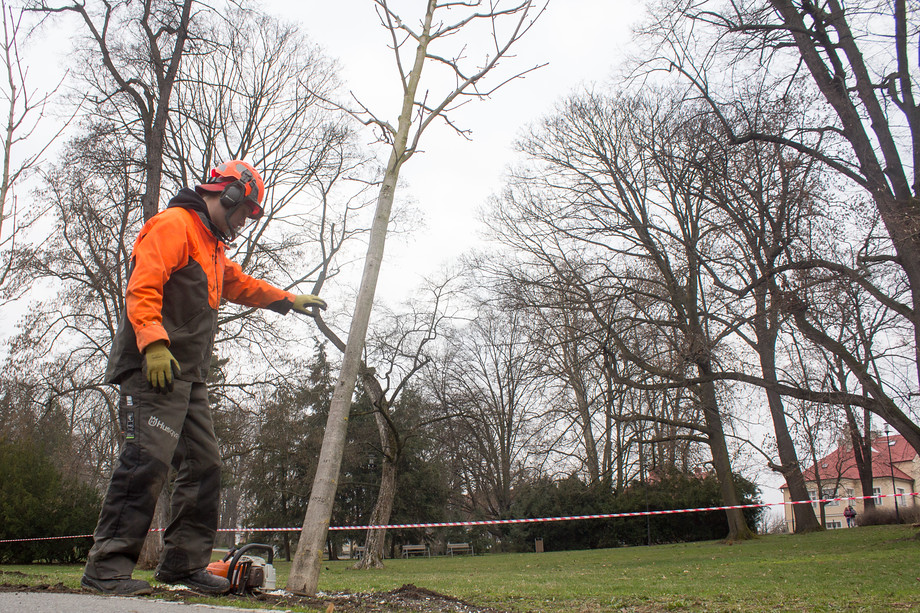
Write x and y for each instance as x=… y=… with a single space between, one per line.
x=160 y=430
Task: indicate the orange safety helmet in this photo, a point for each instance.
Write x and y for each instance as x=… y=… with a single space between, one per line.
x=238 y=182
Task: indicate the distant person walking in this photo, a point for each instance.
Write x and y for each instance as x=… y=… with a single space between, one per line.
x=850 y=514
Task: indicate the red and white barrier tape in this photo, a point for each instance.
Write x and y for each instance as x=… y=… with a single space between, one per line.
x=499 y=522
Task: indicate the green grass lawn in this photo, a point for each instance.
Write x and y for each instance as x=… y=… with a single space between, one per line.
x=865 y=569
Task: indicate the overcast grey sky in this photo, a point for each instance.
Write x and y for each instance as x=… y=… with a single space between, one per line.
x=582 y=41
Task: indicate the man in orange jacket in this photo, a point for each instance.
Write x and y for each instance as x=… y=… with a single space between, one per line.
x=160 y=359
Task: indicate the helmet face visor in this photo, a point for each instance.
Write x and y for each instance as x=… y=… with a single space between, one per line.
x=240 y=218
x=254 y=211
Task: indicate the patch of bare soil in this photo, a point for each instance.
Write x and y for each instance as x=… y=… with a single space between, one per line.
x=57 y=588
x=406 y=598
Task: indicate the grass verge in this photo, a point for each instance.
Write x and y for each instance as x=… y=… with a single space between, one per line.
x=866 y=569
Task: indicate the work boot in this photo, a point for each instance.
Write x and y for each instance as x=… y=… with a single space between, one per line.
x=200 y=581
x=117 y=587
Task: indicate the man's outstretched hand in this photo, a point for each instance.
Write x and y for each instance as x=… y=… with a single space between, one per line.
x=304 y=303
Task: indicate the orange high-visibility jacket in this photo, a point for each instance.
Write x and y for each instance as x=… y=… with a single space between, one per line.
x=179 y=275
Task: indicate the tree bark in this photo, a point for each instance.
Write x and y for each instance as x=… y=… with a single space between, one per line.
x=738 y=529
x=804 y=518
x=376 y=537
x=862 y=454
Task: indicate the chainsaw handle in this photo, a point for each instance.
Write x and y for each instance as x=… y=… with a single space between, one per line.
x=237 y=553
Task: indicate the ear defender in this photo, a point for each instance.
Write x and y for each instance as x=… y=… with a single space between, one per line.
x=235 y=192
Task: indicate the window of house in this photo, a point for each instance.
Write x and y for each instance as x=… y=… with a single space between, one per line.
x=833 y=525
x=831 y=494
x=878 y=500
x=899 y=500
x=813 y=494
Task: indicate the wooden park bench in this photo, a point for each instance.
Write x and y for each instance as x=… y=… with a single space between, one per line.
x=453 y=548
x=408 y=550
x=357 y=551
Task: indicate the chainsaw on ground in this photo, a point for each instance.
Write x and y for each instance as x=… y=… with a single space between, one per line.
x=246 y=573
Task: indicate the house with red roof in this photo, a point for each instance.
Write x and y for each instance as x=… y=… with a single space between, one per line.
x=836 y=476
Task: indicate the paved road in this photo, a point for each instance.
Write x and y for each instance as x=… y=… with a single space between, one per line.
x=32 y=602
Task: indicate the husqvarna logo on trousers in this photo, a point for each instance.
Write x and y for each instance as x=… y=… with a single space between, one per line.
x=156 y=422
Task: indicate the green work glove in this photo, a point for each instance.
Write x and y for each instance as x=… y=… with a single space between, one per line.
x=305 y=302
x=160 y=366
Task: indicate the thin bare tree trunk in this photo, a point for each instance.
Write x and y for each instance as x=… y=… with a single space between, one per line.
x=803 y=514
x=383 y=507
x=738 y=529
x=376 y=537
x=304 y=575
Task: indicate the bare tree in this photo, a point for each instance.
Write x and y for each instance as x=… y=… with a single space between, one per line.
x=621 y=177
x=562 y=336
x=767 y=195
x=24 y=108
x=807 y=305
x=399 y=349
x=494 y=389
x=586 y=407
x=862 y=331
x=417 y=112
x=116 y=31
x=857 y=60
